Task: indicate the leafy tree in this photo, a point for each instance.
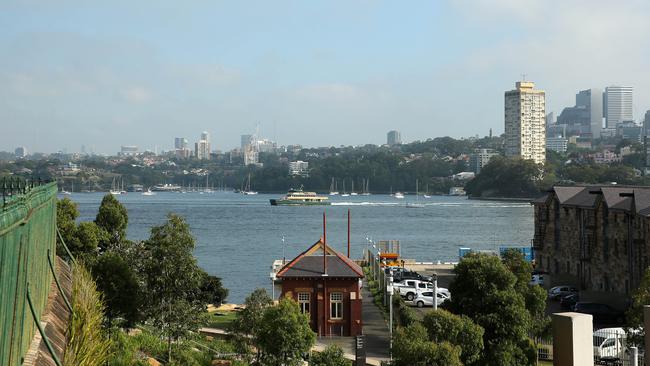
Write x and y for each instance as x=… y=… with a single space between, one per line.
x=113 y=218
x=332 y=356
x=635 y=326
x=506 y=177
x=120 y=286
x=172 y=280
x=461 y=331
x=212 y=291
x=86 y=239
x=412 y=347
x=534 y=296
x=249 y=321
x=285 y=335
x=66 y=214
x=484 y=290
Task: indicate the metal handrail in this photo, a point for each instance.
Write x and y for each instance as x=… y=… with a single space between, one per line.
x=56 y=280
x=41 y=330
x=65 y=246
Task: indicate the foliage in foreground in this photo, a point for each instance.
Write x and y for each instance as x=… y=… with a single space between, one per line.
x=87 y=341
x=443 y=326
x=412 y=347
x=332 y=355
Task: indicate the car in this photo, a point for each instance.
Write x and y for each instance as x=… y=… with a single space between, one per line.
x=425 y=298
x=569 y=301
x=410 y=288
x=556 y=293
x=402 y=275
x=609 y=343
x=602 y=313
x=536 y=279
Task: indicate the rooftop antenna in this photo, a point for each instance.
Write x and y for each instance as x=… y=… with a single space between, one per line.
x=523 y=77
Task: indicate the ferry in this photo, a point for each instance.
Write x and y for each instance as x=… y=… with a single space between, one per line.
x=300 y=198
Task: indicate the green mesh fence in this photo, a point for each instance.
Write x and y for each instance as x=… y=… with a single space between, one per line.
x=27 y=231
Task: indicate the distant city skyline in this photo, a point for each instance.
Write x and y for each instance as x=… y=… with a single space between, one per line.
x=103 y=75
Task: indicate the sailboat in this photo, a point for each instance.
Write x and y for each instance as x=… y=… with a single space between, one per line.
x=148 y=192
x=417 y=203
x=427 y=195
x=344 y=193
x=352 y=192
x=122 y=190
x=247 y=190
x=333 y=188
x=114 y=189
x=366 y=190
x=63 y=191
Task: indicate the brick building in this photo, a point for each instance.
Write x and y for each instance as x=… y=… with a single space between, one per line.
x=327 y=286
x=597 y=237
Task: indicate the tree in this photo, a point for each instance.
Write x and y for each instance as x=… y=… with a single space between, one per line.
x=461 y=331
x=285 y=335
x=635 y=327
x=412 y=347
x=332 y=356
x=507 y=177
x=66 y=214
x=484 y=290
x=172 y=280
x=212 y=290
x=534 y=296
x=85 y=239
x=249 y=321
x=120 y=286
x=113 y=218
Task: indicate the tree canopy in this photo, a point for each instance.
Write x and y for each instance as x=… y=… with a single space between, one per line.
x=461 y=331
x=112 y=217
x=412 y=347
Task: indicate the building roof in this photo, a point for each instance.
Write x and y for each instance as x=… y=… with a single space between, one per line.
x=621 y=198
x=310 y=264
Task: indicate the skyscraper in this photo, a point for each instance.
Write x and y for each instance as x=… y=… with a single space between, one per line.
x=202 y=147
x=646 y=124
x=586 y=117
x=618 y=105
x=525 y=122
x=180 y=143
x=246 y=140
x=394 y=138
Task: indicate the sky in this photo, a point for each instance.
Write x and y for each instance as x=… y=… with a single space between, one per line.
x=315 y=73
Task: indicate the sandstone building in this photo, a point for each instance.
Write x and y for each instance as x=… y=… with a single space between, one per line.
x=597 y=237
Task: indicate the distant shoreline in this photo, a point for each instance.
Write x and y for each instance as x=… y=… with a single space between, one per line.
x=503 y=199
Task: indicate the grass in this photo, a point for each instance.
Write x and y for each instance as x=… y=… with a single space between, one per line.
x=221 y=319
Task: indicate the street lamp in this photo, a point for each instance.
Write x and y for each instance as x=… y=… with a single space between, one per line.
x=389 y=288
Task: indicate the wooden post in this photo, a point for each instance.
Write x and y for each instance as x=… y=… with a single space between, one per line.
x=348 y=233
x=324 y=245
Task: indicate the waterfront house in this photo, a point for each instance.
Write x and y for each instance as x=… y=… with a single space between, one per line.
x=327 y=286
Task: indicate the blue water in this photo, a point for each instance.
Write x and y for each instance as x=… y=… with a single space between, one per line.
x=238 y=237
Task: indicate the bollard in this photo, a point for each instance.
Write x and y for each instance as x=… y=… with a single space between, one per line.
x=635 y=356
x=572 y=339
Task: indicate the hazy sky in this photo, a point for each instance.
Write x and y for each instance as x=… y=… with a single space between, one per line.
x=111 y=73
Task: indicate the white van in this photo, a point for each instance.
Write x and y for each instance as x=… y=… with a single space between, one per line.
x=609 y=343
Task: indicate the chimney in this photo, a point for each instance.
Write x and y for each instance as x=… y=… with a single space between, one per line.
x=348 y=233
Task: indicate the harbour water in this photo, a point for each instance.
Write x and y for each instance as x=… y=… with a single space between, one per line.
x=238 y=237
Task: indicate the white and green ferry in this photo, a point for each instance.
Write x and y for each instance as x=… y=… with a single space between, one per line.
x=298 y=197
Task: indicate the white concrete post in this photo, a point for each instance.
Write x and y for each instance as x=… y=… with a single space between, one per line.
x=572 y=339
x=635 y=356
x=646 y=325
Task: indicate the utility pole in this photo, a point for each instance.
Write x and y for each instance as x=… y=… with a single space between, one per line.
x=389 y=288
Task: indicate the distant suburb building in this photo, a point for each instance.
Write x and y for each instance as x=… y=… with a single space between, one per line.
x=327 y=288
x=525 y=122
x=128 y=150
x=597 y=237
x=393 y=138
x=299 y=168
x=558 y=144
x=480 y=158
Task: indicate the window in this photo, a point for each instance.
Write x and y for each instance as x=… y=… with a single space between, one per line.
x=303 y=301
x=336 y=305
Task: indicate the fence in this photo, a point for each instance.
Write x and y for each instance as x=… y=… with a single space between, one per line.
x=27 y=237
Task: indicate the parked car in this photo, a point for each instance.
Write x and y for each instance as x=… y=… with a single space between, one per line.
x=426 y=299
x=537 y=279
x=609 y=344
x=603 y=314
x=399 y=276
x=556 y=293
x=410 y=288
x=569 y=301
